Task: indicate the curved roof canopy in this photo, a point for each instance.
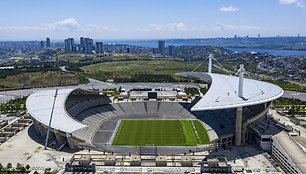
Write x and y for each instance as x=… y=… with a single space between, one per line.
x=39 y=105
x=223 y=92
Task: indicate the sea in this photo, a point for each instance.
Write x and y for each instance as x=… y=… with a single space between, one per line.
x=180 y=42
x=271 y=52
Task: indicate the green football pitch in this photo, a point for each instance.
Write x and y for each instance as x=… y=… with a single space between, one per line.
x=160 y=133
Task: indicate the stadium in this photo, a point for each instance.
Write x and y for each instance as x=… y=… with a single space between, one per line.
x=152 y=124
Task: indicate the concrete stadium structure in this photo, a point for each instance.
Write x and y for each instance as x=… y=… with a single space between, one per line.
x=88 y=119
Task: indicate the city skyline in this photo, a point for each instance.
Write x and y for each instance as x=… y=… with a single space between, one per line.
x=34 y=20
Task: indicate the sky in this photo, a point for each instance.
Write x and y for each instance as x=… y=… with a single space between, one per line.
x=150 y=19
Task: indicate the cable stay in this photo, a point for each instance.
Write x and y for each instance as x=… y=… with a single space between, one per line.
x=250 y=78
x=199 y=65
x=222 y=67
x=255 y=81
x=240 y=72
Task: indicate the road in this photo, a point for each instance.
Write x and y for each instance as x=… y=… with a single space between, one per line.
x=295 y=95
x=286 y=121
x=8 y=95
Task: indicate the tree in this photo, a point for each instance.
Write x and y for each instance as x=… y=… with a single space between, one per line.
x=19 y=166
x=291 y=111
x=1 y=167
x=28 y=167
x=36 y=172
x=23 y=170
x=54 y=172
x=9 y=166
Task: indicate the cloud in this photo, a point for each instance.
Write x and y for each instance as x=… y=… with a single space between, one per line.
x=204 y=27
x=297 y=2
x=67 y=24
x=156 y=27
x=222 y=26
x=287 y=1
x=94 y=27
x=300 y=4
x=179 y=26
x=228 y=9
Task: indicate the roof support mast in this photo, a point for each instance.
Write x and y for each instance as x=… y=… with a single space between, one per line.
x=238 y=127
x=47 y=137
x=240 y=88
x=210 y=57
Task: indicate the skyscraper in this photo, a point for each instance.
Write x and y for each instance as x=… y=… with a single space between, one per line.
x=42 y=44
x=99 y=47
x=69 y=44
x=161 y=47
x=88 y=45
x=48 y=43
x=66 y=44
x=171 y=52
x=82 y=44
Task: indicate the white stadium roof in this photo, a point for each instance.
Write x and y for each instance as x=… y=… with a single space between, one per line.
x=39 y=105
x=223 y=92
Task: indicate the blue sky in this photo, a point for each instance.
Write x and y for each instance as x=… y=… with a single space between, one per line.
x=150 y=19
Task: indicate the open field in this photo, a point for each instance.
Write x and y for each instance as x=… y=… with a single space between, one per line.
x=160 y=133
x=132 y=71
x=78 y=57
x=40 y=79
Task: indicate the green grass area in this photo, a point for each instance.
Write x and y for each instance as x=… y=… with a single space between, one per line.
x=80 y=57
x=41 y=79
x=142 y=70
x=160 y=133
x=124 y=69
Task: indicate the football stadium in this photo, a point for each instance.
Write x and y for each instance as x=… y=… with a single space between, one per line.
x=153 y=123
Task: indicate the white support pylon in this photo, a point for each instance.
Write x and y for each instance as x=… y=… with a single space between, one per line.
x=240 y=88
x=210 y=57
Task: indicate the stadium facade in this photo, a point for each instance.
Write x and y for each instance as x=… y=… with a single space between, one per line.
x=88 y=119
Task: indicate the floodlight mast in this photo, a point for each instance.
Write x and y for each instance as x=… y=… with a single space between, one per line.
x=47 y=137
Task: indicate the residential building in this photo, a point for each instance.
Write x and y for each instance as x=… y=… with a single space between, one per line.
x=99 y=47
x=42 y=44
x=171 y=52
x=48 y=43
x=161 y=47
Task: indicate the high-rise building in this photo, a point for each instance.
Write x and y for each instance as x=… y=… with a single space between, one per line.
x=82 y=44
x=154 y=50
x=66 y=44
x=48 y=43
x=161 y=47
x=69 y=44
x=99 y=47
x=42 y=44
x=258 y=35
x=171 y=52
x=128 y=50
x=88 y=45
